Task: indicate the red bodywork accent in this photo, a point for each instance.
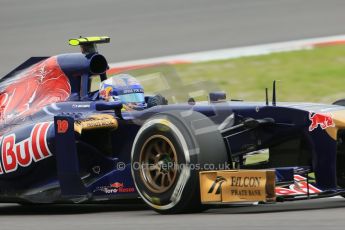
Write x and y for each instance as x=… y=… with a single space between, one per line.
x=32 y=89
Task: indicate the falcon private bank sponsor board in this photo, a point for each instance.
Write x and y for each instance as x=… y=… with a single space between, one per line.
x=237 y=185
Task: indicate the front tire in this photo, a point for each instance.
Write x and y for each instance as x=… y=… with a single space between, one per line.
x=168 y=152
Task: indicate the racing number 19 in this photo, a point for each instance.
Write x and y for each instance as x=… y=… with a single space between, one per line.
x=62 y=126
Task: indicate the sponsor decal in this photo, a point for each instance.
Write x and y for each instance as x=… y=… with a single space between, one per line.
x=106 y=189
x=237 y=185
x=300 y=187
x=81 y=106
x=62 y=126
x=128 y=91
x=217 y=185
x=21 y=154
x=117 y=187
x=246 y=186
x=94 y=122
x=322 y=120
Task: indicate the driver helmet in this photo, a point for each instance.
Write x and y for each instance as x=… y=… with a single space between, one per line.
x=124 y=88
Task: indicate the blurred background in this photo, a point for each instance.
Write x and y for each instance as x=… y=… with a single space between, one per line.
x=151 y=28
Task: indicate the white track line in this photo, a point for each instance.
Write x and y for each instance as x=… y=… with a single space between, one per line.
x=236 y=52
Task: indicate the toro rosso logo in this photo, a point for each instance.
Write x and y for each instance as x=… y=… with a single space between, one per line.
x=322 y=120
x=23 y=153
x=117 y=187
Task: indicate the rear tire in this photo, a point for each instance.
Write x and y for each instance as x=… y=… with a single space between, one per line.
x=186 y=140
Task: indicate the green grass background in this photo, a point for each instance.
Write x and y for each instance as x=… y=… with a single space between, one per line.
x=316 y=75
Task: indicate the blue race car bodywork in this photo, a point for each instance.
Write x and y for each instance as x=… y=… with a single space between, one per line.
x=61 y=144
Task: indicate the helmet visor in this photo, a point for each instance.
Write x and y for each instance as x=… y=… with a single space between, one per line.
x=132 y=98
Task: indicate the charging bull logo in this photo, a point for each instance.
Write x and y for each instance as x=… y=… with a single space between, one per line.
x=29 y=91
x=116 y=185
x=105 y=92
x=322 y=120
x=23 y=153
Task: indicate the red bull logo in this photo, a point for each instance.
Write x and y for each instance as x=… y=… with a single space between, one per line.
x=322 y=120
x=23 y=153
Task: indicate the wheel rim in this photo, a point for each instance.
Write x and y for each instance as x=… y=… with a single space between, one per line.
x=158 y=163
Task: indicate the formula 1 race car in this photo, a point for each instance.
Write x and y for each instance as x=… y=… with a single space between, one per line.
x=70 y=133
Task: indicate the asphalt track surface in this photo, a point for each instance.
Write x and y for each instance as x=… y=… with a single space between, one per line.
x=150 y=28
x=326 y=214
